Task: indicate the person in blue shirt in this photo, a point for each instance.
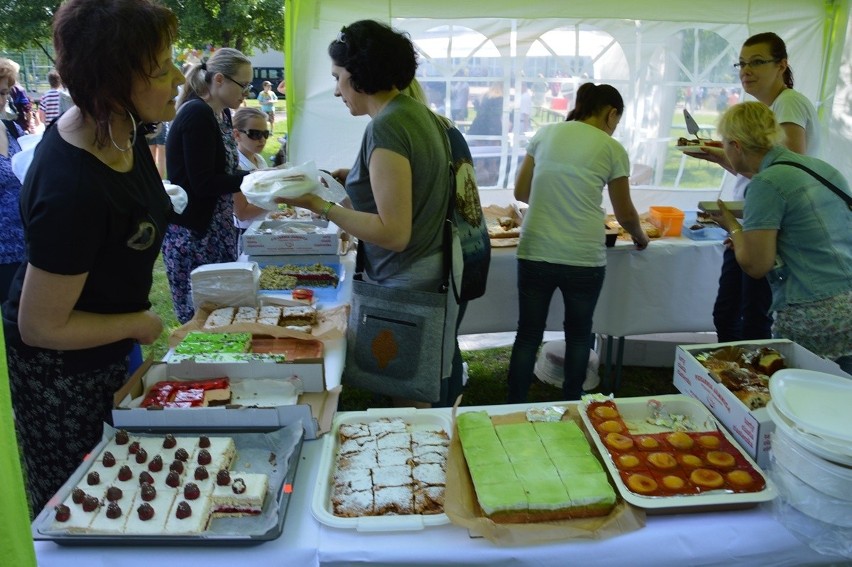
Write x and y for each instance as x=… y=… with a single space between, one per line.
x=796 y=231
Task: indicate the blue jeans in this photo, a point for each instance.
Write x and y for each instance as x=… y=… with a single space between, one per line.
x=580 y=287
x=741 y=311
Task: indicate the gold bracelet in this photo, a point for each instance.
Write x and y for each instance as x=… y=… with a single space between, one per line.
x=736 y=230
x=326 y=209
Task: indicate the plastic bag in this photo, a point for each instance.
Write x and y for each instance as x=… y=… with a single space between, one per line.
x=262 y=187
x=177 y=194
x=21 y=161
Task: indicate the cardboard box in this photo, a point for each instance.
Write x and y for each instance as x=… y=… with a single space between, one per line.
x=751 y=428
x=315 y=409
x=266 y=238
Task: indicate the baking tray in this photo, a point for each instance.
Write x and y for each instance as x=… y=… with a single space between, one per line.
x=633 y=412
x=254 y=452
x=321 y=506
x=328 y=295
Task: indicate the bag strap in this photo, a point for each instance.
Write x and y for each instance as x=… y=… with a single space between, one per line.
x=834 y=188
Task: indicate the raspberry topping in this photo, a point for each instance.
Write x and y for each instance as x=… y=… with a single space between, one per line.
x=204 y=457
x=223 y=478
x=109 y=459
x=114 y=493
x=173 y=479
x=145 y=476
x=182 y=455
x=141 y=455
x=145 y=511
x=201 y=473
x=169 y=441
x=90 y=503
x=176 y=466
x=191 y=491
x=183 y=510
x=203 y=441
x=77 y=496
x=156 y=464
x=148 y=492
x=93 y=478
x=121 y=437
x=239 y=486
x=124 y=473
x=63 y=513
x=113 y=511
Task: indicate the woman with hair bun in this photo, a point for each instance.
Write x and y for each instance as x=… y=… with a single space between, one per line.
x=202 y=157
x=94 y=214
x=562 y=245
x=796 y=232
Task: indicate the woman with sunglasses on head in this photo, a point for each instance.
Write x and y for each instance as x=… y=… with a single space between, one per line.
x=202 y=157
x=94 y=214
x=795 y=229
x=251 y=135
x=742 y=308
x=398 y=185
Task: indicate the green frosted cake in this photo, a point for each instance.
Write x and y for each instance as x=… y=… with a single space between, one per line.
x=533 y=472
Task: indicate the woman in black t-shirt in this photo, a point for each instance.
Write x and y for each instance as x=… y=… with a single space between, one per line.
x=94 y=214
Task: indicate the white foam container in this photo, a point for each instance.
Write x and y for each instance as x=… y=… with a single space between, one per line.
x=816 y=402
x=321 y=506
x=829 y=478
x=808 y=500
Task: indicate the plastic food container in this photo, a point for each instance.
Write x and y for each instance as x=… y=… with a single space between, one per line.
x=668 y=219
x=825 y=476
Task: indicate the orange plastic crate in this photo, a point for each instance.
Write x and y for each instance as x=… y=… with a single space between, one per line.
x=668 y=219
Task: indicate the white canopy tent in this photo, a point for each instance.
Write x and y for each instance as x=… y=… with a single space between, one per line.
x=662 y=55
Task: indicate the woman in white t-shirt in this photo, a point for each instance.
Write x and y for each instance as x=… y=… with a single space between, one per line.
x=251 y=133
x=562 y=246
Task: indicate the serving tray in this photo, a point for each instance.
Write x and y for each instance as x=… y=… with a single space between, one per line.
x=633 y=412
x=275 y=453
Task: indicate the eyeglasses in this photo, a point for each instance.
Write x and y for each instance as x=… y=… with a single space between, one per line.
x=256 y=134
x=754 y=63
x=246 y=87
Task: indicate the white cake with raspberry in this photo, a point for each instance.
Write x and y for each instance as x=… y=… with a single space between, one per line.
x=243 y=496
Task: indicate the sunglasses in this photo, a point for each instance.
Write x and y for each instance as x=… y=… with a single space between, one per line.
x=256 y=134
x=246 y=87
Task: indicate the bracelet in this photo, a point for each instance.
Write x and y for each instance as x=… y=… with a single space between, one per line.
x=736 y=230
x=326 y=209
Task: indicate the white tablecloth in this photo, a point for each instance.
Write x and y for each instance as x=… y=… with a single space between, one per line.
x=751 y=537
x=669 y=287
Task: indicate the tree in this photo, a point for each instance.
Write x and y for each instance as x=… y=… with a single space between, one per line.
x=241 y=24
x=27 y=23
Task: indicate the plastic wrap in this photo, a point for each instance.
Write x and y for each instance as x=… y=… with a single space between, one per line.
x=262 y=187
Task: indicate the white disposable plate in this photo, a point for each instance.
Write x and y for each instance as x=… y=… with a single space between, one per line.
x=691 y=149
x=633 y=412
x=321 y=506
x=840 y=454
x=829 y=478
x=809 y=500
x=815 y=402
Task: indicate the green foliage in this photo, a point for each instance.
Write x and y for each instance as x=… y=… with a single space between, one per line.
x=241 y=24
x=26 y=23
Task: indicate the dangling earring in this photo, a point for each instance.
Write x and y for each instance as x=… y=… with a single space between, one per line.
x=132 y=140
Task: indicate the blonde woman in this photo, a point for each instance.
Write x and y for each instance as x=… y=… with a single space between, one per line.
x=251 y=135
x=795 y=230
x=202 y=157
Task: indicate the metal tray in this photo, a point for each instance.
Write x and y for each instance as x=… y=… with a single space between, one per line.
x=284 y=443
x=634 y=410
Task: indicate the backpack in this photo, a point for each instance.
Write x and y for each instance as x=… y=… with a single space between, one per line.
x=469 y=220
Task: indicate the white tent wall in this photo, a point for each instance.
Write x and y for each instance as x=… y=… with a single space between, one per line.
x=321 y=128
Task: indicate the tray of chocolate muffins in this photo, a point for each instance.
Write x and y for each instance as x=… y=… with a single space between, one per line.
x=668 y=454
x=137 y=488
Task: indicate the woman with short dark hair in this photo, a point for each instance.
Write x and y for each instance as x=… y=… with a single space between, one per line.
x=94 y=214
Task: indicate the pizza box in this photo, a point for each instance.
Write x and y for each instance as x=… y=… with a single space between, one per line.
x=751 y=428
x=267 y=237
x=314 y=409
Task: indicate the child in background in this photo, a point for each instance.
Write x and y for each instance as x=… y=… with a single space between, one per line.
x=251 y=134
x=267 y=99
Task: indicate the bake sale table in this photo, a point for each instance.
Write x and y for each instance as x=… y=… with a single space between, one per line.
x=745 y=537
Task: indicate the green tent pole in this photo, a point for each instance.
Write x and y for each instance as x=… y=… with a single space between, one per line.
x=16 y=544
